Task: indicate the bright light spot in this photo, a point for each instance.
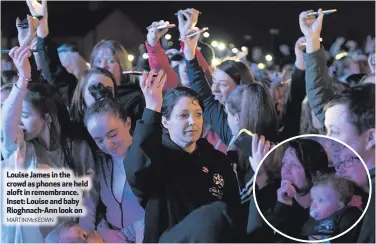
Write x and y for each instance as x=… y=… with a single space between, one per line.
x=130 y=57
x=235 y=50
x=206 y=34
x=167 y=36
x=145 y=56
x=341 y=55
x=221 y=46
x=216 y=62
x=214 y=43
x=269 y=58
x=244 y=49
x=261 y=66
x=88 y=65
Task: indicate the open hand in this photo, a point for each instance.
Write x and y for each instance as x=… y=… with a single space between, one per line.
x=260 y=147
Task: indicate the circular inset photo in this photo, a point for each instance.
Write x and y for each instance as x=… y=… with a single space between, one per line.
x=313 y=188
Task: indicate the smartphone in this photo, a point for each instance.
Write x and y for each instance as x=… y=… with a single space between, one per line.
x=196 y=33
x=168 y=26
x=325 y=12
x=243 y=141
x=137 y=73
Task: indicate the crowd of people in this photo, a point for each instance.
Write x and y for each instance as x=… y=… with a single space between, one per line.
x=160 y=147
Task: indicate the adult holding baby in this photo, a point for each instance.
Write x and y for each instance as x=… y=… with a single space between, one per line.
x=302 y=161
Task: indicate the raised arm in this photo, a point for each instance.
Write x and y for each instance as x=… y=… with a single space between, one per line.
x=141 y=162
x=214 y=113
x=318 y=83
x=52 y=69
x=12 y=107
x=293 y=106
x=158 y=59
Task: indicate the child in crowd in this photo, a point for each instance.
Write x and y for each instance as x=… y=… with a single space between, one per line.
x=329 y=211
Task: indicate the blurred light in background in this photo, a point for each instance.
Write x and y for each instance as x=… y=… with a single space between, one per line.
x=167 y=36
x=130 y=57
x=216 y=62
x=231 y=45
x=221 y=46
x=269 y=58
x=235 y=50
x=145 y=56
x=206 y=34
x=170 y=44
x=261 y=66
x=244 y=49
x=214 y=43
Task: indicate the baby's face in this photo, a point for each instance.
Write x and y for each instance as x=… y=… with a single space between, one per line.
x=325 y=202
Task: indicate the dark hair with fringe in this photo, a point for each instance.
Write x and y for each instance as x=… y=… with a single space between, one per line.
x=174 y=95
x=238 y=71
x=312 y=157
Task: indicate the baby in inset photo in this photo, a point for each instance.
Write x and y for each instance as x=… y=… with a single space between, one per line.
x=329 y=210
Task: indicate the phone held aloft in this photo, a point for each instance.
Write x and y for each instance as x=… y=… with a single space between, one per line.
x=243 y=141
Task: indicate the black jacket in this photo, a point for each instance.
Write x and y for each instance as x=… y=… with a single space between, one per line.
x=52 y=69
x=288 y=220
x=367 y=231
x=334 y=225
x=258 y=231
x=131 y=97
x=171 y=183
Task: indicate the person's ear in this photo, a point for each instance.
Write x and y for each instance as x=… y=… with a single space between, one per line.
x=128 y=123
x=165 y=122
x=370 y=139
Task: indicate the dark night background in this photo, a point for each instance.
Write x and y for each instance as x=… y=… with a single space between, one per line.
x=228 y=21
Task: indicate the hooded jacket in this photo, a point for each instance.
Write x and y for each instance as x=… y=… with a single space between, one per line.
x=170 y=182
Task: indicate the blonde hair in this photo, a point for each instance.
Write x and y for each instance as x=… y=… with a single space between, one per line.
x=117 y=50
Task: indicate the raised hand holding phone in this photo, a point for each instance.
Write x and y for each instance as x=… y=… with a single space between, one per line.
x=37 y=9
x=190 y=43
x=311 y=28
x=286 y=193
x=155 y=34
x=187 y=20
x=152 y=89
x=27 y=35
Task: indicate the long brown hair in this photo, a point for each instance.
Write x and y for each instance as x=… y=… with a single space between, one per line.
x=255 y=107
